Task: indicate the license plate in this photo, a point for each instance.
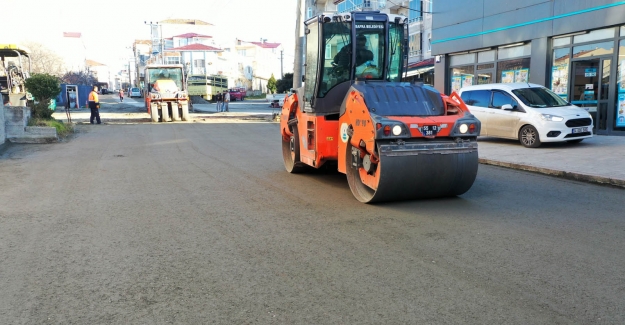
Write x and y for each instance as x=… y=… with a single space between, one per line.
x=428 y=130
x=580 y=130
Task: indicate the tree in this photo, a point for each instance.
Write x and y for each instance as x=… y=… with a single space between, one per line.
x=285 y=83
x=79 y=78
x=43 y=87
x=44 y=60
x=271 y=84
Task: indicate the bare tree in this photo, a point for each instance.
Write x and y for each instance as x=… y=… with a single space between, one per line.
x=44 y=60
x=79 y=78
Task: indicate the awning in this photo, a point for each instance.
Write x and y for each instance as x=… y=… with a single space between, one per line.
x=420 y=70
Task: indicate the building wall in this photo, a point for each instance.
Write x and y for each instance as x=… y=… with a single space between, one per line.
x=537 y=30
x=466 y=25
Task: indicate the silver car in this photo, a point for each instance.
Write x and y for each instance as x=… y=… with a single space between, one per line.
x=528 y=112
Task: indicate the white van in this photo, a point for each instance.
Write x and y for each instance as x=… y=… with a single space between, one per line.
x=530 y=113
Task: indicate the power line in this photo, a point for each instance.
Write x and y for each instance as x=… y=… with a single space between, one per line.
x=421 y=11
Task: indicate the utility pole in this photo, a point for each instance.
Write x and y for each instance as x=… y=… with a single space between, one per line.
x=281 y=64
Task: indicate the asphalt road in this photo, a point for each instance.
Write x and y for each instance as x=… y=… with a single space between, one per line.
x=198 y=223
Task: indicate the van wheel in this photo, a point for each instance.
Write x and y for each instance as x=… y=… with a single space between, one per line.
x=528 y=136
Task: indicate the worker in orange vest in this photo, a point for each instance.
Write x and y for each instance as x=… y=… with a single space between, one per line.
x=94 y=105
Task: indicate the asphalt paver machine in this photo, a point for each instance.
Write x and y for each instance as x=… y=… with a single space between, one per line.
x=394 y=140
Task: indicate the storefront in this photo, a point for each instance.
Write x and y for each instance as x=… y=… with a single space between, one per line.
x=586 y=68
x=575 y=48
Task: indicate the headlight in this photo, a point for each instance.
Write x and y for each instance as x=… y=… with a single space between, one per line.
x=396 y=130
x=549 y=117
x=463 y=128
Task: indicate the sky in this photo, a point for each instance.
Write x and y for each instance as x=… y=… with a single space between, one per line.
x=110 y=27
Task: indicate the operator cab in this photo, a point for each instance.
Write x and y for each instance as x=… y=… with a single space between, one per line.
x=344 y=48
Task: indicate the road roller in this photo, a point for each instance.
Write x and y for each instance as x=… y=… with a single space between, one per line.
x=393 y=140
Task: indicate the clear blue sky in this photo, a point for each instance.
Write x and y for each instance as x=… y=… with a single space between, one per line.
x=109 y=26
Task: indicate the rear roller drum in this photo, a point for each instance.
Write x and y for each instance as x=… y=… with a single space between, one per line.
x=290 y=153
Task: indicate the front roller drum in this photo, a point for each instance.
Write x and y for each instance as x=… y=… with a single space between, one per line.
x=411 y=176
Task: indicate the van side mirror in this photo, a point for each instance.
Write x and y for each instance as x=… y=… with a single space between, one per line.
x=507 y=107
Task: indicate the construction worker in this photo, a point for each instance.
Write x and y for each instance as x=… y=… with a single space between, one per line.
x=94 y=105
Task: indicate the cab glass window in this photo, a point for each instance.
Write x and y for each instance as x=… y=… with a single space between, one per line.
x=396 y=35
x=336 y=38
x=369 y=49
x=312 y=55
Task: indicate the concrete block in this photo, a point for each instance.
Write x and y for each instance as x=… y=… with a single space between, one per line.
x=42 y=131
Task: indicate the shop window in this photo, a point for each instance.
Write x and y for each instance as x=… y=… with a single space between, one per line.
x=486 y=56
x=619 y=120
x=560 y=72
x=594 y=35
x=515 y=52
x=622 y=31
x=462 y=59
x=589 y=50
x=462 y=77
x=517 y=70
x=562 y=41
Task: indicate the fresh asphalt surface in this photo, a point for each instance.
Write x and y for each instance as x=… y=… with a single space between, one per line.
x=194 y=223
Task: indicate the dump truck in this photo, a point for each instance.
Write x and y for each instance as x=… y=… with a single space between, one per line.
x=393 y=140
x=15 y=68
x=166 y=97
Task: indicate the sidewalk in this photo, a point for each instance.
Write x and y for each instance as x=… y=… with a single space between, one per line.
x=595 y=160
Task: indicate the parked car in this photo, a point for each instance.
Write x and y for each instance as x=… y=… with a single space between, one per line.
x=134 y=92
x=530 y=113
x=236 y=94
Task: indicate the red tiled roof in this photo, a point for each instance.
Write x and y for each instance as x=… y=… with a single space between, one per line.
x=196 y=47
x=266 y=45
x=423 y=63
x=191 y=35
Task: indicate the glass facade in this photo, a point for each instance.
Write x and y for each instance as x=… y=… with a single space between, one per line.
x=505 y=65
x=619 y=121
x=583 y=73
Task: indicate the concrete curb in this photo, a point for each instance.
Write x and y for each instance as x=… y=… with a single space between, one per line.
x=558 y=173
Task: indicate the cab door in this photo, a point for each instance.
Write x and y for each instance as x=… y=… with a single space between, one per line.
x=503 y=123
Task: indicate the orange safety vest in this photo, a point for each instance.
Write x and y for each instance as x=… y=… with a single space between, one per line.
x=93 y=96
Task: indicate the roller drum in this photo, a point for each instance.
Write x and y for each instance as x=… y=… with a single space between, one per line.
x=418 y=171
